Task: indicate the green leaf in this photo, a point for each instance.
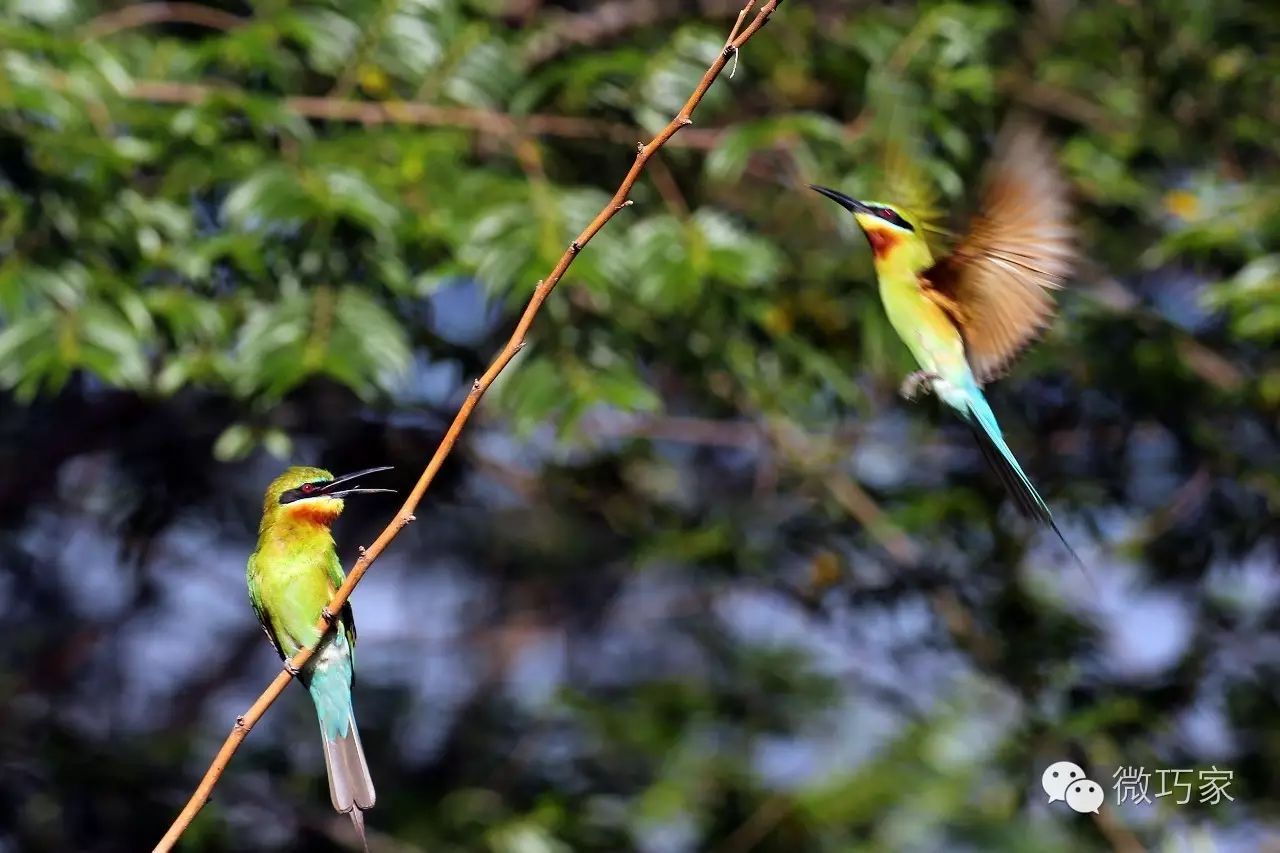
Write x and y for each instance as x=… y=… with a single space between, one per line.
x=235 y=442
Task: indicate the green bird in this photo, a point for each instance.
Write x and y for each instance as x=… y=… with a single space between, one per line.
x=965 y=316
x=292 y=574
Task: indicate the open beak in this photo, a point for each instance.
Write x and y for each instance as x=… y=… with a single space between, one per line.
x=850 y=204
x=331 y=489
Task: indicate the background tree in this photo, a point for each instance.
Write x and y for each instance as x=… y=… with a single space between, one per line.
x=697 y=579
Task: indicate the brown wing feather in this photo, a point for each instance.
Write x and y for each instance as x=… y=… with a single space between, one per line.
x=1018 y=248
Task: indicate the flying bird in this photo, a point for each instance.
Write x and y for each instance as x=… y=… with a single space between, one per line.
x=965 y=315
x=292 y=575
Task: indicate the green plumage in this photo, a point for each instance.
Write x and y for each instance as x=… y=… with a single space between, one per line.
x=292 y=575
x=964 y=316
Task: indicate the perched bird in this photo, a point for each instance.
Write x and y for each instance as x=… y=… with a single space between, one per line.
x=292 y=575
x=966 y=315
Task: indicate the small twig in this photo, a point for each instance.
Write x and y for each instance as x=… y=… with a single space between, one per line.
x=711 y=432
x=1119 y=836
x=1058 y=101
x=771 y=811
x=800 y=450
x=373 y=113
x=145 y=14
x=737 y=25
x=514 y=344
x=665 y=182
x=603 y=21
x=854 y=500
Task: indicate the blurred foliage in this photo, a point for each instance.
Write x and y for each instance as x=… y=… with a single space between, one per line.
x=693 y=491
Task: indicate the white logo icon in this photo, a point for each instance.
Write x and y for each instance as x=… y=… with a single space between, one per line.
x=1085 y=796
x=1063 y=780
x=1058 y=776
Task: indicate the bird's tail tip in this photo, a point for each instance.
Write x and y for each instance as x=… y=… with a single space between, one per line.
x=350 y=787
x=1084 y=568
x=357 y=820
x=1019 y=487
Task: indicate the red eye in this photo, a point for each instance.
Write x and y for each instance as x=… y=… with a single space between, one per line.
x=307 y=488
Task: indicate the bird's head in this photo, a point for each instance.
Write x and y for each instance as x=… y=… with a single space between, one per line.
x=312 y=495
x=892 y=232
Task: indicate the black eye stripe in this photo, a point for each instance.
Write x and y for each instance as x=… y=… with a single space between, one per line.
x=892 y=217
x=306 y=490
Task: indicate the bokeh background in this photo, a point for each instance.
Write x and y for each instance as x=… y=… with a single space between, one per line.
x=696 y=578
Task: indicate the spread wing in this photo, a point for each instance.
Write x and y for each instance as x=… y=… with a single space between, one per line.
x=905 y=178
x=910 y=187
x=996 y=282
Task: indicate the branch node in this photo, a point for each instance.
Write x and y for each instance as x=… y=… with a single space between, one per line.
x=475 y=385
x=639 y=148
x=360 y=549
x=520 y=346
x=685 y=121
x=293 y=671
x=575 y=247
x=327 y=614
x=240 y=722
x=409 y=518
x=626 y=203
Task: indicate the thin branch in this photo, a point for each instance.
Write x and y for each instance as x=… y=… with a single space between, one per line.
x=740 y=434
x=664 y=180
x=737 y=24
x=514 y=344
x=771 y=811
x=809 y=456
x=813 y=457
x=418 y=113
x=615 y=18
x=1058 y=101
x=1119 y=836
x=146 y=14
x=854 y=500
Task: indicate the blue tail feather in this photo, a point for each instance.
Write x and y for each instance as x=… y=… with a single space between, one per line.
x=998 y=454
x=987 y=431
x=330 y=688
x=329 y=682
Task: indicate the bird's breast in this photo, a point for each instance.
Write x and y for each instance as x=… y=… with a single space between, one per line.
x=924 y=327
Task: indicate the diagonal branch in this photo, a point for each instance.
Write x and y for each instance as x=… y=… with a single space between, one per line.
x=514 y=344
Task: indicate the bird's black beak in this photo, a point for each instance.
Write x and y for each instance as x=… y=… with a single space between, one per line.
x=330 y=489
x=850 y=204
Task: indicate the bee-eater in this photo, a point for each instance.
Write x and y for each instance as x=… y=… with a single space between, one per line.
x=966 y=315
x=292 y=575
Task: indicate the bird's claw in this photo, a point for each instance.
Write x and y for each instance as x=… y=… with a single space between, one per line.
x=326 y=614
x=921 y=380
x=293 y=671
